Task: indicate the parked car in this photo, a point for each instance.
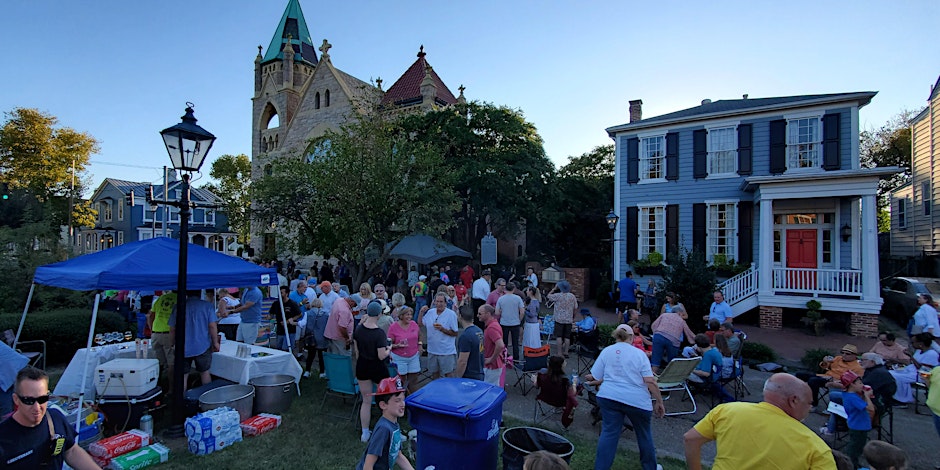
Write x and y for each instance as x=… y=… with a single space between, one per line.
x=900 y=295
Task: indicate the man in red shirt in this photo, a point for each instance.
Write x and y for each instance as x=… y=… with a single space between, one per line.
x=493 y=345
x=466 y=275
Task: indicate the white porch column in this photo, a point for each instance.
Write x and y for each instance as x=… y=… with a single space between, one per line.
x=766 y=258
x=869 y=234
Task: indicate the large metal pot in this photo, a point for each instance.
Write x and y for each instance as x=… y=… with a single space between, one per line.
x=239 y=397
x=274 y=393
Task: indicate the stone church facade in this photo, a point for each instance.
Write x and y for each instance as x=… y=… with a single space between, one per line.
x=299 y=95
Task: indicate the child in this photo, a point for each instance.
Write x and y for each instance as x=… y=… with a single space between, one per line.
x=384 y=449
x=883 y=456
x=544 y=460
x=858 y=409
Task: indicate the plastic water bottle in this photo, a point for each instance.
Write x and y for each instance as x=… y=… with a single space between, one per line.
x=146 y=424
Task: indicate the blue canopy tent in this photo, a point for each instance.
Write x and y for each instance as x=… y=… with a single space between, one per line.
x=146 y=265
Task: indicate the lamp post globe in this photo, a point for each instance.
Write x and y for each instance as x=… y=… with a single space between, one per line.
x=187 y=144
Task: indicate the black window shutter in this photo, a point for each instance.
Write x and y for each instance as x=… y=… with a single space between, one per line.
x=699 y=154
x=698 y=227
x=831 y=141
x=778 y=146
x=744 y=149
x=672 y=156
x=633 y=160
x=633 y=234
x=672 y=231
x=745 y=232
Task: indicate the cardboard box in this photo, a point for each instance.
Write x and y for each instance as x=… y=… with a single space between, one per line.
x=120 y=444
x=144 y=457
x=260 y=424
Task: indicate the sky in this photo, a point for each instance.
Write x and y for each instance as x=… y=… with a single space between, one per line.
x=123 y=70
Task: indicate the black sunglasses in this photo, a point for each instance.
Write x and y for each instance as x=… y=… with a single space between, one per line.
x=30 y=401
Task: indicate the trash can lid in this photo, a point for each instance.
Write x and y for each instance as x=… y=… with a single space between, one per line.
x=464 y=398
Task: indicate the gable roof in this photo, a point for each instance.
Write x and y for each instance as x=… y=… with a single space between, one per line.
x=407 y=89
x=140 y=190
x=293 y=26
x=723 y=108
x=934 y=90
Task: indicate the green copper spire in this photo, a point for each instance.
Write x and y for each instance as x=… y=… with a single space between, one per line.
x=292 y=28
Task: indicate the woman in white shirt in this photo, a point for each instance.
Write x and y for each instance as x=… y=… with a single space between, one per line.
x=627 y=390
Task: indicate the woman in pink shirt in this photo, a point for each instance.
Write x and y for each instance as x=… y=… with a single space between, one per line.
x=404 y=336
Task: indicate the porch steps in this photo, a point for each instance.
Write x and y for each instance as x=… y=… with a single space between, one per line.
x=740 y=291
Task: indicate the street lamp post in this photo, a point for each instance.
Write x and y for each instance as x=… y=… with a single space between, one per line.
x=187 y=144
x=612 y=220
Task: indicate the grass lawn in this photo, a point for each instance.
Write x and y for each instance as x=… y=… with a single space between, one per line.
x=308 y=439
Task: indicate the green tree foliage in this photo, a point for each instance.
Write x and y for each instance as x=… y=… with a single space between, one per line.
x=43 y=160
x=502 y=172
x=575 y=209
x=889 y=145
x=366 y=186
x=694 y=282
x=233 y=173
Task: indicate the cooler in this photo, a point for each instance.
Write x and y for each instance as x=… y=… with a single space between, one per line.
x=122 y=412
x=127 y=377
x=457 y=422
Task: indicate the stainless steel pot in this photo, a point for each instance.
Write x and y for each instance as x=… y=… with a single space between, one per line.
x=239 y=397
x=274 y=393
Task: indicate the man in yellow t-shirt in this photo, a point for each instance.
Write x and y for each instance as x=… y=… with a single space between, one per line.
x=160 y=336
x=768 y=434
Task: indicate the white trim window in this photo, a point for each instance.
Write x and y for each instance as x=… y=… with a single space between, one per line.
x=902 y=213
x=804 y=142
x=210 y=217
x=653 y=158
x=120 y=211
x=651 y=230
x=722 y=231
x=722 y=151
x=106 y=214
x=120 y=238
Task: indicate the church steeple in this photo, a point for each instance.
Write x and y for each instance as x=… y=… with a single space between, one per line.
x=292 y=30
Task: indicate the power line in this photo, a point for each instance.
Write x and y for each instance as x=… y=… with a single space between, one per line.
x=98 y=162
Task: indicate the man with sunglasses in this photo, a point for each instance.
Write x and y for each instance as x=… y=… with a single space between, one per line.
x=34 y=436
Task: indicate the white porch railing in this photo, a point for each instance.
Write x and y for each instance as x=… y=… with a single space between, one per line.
x=818 y=281
x=739 y=287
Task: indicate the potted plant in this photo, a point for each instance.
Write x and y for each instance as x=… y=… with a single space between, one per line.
x=652 y=264
x=814 y=317
x=727 y=267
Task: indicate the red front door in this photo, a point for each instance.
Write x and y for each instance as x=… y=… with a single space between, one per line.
x=801 y=253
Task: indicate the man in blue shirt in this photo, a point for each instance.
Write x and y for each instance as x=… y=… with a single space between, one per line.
x=587 y=324
x=709 y=370
x=251 y=315
x=720 y=310
x=202 y=335
x=627 y=288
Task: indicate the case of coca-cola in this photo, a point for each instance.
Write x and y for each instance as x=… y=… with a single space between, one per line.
x=260 y=424
x=111 y=447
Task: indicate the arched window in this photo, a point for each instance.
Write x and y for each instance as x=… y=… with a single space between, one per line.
x=269 y=117
x=316 y=102
x=267 y=170
x=327 y=96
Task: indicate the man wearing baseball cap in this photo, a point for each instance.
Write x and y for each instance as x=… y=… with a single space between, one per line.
x=384 y=450
x=833 y=368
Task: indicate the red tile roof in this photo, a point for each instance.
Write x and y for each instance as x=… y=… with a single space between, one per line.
x=407 y=89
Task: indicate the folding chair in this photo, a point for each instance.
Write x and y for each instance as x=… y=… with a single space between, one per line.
x=550 y=401
x=533 y=360
x=341 y=383
x=588 y=350
x=735 y=379
x=740 y=387
x=34 y=357
x=547 y=329
x=673 y=379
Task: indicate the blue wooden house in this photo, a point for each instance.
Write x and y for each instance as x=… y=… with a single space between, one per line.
x=773 y=183
x=118 y=222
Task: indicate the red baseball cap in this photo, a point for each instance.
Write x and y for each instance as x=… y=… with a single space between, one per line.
x=389 y=386
x=848 y=377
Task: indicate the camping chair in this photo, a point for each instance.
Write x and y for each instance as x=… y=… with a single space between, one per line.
x=735 y=379
x=341 y=383
x=673 y=379
x=34 y=357
x=740 y=387
x=550 y=401
x=588 y=349
x=533 y=360
x=547 y=329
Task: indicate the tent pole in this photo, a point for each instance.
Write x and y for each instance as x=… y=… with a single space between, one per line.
x=88 y=354
x=286 y=335
x=29 y=299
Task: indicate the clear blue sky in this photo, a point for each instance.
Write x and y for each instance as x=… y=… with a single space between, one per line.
x=122 y=70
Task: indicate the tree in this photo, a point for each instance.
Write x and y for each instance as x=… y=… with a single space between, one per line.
x=362 y=189
x=693 y=281
x=233 y=172
x=42 y=159
x=889 y=145
x=502 y=172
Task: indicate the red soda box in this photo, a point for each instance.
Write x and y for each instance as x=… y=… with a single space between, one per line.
x=260 y=424
x=120 y=444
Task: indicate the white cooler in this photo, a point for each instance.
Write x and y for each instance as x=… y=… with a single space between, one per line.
x=127 y=377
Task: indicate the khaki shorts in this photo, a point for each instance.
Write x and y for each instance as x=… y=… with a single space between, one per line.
x=446 y=363
x=163 y=349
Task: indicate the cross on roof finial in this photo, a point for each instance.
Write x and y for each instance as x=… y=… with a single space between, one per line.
x=421 y=51
x=325 y=49
x=378 y=82
x=461 y=88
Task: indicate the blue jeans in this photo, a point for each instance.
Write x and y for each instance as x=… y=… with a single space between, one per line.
x=614 y=414
x=660 y=344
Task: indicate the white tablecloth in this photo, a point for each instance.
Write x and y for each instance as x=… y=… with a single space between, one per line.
x=71 y=380
x=243 y=369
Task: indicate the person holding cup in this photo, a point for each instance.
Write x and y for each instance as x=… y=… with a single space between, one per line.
x=404 y=334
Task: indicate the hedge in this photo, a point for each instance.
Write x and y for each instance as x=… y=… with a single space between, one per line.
x=64 y=331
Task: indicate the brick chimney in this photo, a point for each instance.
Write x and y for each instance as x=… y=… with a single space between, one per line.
x=636 y=110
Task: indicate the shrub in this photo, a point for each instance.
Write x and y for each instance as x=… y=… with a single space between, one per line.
x=758 y=352
x=64 y=331
x=603 y=295
x=812 y=357
x=603 y=335
x=689 y=276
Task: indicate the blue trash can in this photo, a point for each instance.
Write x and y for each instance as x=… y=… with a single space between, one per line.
x=458 y=424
